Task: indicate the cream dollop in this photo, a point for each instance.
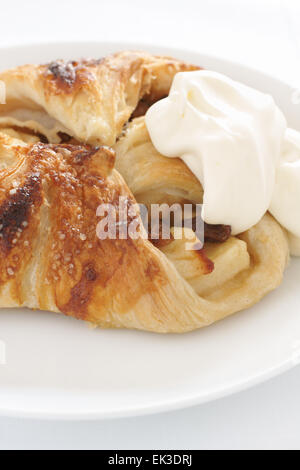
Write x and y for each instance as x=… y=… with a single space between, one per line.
x=229 y=135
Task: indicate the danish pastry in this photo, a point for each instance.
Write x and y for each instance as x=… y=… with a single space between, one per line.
x=73 y=137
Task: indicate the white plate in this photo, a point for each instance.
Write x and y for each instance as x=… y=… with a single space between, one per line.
x=57 y=367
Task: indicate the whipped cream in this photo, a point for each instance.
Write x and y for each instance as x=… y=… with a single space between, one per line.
x=235 y=140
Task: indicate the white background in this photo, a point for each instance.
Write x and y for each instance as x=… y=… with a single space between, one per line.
x=260 y=33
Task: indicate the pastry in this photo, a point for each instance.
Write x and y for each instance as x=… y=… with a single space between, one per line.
x=52 y=259
x=90 y=100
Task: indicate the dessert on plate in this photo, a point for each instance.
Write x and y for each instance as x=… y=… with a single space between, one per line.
x=137 y=130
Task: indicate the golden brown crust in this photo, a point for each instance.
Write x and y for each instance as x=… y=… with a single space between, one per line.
x=67 y=77
x=48 y=242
